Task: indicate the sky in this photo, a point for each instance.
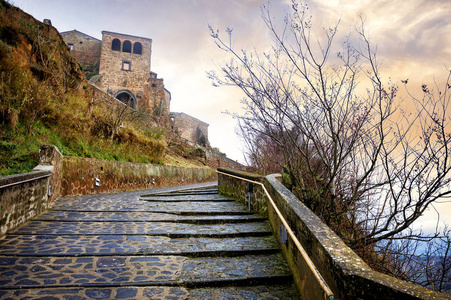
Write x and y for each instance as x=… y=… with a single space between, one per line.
x=413 y=41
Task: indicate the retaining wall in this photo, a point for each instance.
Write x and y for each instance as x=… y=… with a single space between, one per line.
x=347 y=275
x=25 y=196
x=79 y=176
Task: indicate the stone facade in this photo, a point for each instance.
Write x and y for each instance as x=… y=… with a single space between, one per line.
x=85 y=48
x=190 y=128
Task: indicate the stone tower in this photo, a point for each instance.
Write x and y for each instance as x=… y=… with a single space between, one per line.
x=124 y=68
x=125 y=73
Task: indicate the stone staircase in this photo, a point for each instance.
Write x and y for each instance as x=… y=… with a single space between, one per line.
x=178 y=244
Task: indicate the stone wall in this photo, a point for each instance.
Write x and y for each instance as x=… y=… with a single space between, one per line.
x=80 y=174
x=85 y=48
x=157 y=97
x=216 y=160
x=23 y=196
x=239 y=189
x=190 y=128
x=348 y=276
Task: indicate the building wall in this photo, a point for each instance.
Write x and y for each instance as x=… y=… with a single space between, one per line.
x=191 y=129
x=157 y=97
x=125 y=71
x=85 y=48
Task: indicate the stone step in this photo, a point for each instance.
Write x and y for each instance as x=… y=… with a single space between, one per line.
x=211 y=192
x=77 y=216
x=40 y=245
x=268 y=292
x=191 y=244
x=169 y=229
x=199 y=207
x=26 y=272
x=186 y=198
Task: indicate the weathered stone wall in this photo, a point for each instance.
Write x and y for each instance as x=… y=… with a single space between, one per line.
x=115 y=75
x=238 y=189
x=346 y=274
x=85 y=48
x=216 y=160
x=51 y=159
x=22 y=197
x=79 y=176
x=190 y=128
x=157 y=97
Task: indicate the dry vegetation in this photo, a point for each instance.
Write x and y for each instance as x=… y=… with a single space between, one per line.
x=45 y=99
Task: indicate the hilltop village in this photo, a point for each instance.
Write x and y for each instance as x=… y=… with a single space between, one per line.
x=120 y=65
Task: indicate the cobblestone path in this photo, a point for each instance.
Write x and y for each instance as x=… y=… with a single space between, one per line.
x=173 y=243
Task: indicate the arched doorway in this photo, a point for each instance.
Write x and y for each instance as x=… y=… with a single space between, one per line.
x=126 y=97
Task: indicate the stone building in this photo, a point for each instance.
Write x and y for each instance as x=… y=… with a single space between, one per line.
x=123 y=65
x=124 y=68
x=190 y=128
x=85 y=48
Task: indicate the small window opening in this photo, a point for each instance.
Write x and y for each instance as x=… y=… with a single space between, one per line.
x=116 y=45
x=126 y=65
x=127 y=47
x=137 y=48
x=71 y=46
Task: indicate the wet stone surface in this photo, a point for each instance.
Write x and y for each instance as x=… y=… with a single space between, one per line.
x=120 y=246
x=128 y=244
x=137 y=228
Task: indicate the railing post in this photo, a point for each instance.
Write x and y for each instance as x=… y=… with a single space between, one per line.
x=250 y=189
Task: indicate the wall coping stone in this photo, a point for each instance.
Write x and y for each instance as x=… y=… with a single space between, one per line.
x=9 y=179
x=244 y=174
x=44 y=168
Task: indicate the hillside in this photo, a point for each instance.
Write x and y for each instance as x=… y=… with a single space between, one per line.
x=45 y=99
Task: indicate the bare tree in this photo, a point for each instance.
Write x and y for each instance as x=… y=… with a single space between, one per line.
x=114 y=112
x=368 y=168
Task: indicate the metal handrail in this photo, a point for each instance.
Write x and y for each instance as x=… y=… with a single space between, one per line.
x=26 y=180
x=328 y=292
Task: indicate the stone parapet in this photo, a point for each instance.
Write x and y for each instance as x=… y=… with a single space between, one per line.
x=240 y=189
x=22 y=197
x=346 y=274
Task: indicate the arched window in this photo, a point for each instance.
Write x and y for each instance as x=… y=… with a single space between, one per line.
x=116 y=45
x=127 y=47
x=137 y=48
